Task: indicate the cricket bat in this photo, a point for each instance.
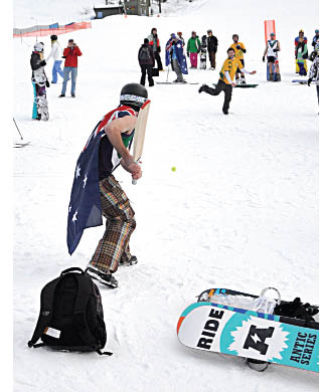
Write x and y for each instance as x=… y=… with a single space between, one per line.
x=139 y=133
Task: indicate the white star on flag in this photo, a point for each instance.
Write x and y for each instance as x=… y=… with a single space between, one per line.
x=75 y=218
x=78 y=169
x=85 y=181
x=70 y=208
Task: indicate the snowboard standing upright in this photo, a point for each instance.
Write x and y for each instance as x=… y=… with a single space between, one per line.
x=40 y=82
x=203 y=53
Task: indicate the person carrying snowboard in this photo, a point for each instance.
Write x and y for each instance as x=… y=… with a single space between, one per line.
x=40 y=82
x=96 y=191
x=226 y=81
x=239 y=49
x=212 y=48
x=314 y=69
x=56 y=55
x=175 y=56
x=203 y=52
x=146 y=62
x=272 y=49
x=193 y=48
x=155 y=45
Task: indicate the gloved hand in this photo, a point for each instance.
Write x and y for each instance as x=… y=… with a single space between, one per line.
x=263 y=59
x=309 y=81
x=43 y=63
x=276 y=50
x=47 y=83
x=188 y=54
x=238 y=47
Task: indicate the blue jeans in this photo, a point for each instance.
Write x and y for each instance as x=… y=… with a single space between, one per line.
x=56 y=69
x=66 y=77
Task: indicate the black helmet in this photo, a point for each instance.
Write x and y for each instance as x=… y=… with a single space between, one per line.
x=134 y=95
x=53 y=37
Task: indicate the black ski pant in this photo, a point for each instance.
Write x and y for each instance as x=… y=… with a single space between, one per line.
x=221 y=86
x=158 y=60
x=212 y=58
x=146 y=68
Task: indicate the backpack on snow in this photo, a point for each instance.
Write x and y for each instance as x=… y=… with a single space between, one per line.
x=71 y=314
x=144 y=54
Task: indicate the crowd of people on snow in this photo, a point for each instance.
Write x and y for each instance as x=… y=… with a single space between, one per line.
x=177 y=50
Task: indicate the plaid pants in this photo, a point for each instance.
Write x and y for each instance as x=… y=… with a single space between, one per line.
x=114 y=245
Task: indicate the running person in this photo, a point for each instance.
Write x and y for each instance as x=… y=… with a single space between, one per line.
x=226 y=81
x=239 y=49
x=272 y=49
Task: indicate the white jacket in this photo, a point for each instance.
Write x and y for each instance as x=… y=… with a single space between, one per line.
x=55 y=52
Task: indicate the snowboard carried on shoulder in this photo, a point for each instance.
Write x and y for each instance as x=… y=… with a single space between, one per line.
x=231 y=322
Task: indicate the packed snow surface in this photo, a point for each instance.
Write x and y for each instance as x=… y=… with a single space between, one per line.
x=240 y=211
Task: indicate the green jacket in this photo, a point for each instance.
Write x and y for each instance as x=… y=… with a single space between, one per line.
x=193 y=45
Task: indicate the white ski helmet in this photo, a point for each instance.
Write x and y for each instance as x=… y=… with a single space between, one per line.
x=39 y=47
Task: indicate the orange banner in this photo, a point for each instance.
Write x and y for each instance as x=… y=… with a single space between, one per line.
x=269 y=27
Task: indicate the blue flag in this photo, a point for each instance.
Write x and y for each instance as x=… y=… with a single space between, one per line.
x=85 y=207
x=178 y=47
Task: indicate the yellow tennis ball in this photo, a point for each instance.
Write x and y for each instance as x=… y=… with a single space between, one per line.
x=173 y=168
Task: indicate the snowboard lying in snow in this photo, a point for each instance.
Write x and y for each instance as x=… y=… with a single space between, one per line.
x=178 y=83
x=244 y=85
x=213 y=324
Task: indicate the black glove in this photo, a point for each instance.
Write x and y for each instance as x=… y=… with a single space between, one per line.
x=47 y=83
x=309 y=81
x=263 y=59
x=276 y=50
x=238 y=47
x=43 y=63
x=188 y=54
x=63 y=57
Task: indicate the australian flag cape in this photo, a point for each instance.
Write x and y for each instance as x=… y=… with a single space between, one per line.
x=85 y=207
x=180 y=56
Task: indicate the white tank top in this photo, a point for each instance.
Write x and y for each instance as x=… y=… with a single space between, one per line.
x=272 y=44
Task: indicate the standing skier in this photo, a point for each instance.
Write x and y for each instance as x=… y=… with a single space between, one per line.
x=314 y=69
x=155 y=44
x=146 y=62
x=193 y=48
x=272 y=49
x=226 y=81
x=239 y=49
x=40 y=82
x=71 y=54
x=175 y=56
x=212 y=48
x=56 y=55
x=95 y=190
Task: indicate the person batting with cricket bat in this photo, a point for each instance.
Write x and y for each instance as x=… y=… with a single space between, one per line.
x=117 y=131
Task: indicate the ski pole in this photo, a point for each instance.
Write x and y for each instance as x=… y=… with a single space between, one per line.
x=17 y=128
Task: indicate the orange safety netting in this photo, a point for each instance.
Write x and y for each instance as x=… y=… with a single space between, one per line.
x=58 y=30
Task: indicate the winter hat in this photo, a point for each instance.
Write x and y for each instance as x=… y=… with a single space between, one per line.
x=173 y=35
x=146 y=41
x=53 y=37
x=39 y=47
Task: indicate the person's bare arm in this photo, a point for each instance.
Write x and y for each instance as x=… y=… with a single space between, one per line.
x=265 y=51
x=113 y=131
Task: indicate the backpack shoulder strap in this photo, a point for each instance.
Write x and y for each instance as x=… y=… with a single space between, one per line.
x=80 y=321
x=45 y=316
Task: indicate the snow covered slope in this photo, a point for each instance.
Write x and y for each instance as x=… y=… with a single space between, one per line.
x=240 y=211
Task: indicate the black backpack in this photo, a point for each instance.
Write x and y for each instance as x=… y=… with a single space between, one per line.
x=71 y=314
x=144 y=54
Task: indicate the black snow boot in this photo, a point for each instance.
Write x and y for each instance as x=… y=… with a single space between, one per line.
x=106 y=278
